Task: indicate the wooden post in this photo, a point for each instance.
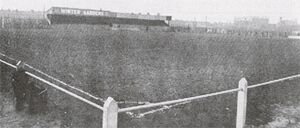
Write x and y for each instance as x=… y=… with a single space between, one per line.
x=110 y=114
x=241 y=104
x=2 y=22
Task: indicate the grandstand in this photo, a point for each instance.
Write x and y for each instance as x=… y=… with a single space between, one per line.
x=63 y=15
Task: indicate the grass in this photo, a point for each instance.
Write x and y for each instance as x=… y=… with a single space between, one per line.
x=160 y=66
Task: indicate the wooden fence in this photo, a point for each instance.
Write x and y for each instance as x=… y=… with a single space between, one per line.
x=111 y=109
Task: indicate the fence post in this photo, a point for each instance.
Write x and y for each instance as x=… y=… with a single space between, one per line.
x=2 y=22
x=110 y=114
x=241 y=104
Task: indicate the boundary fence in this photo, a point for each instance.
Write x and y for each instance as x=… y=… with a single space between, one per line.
x=111 y=109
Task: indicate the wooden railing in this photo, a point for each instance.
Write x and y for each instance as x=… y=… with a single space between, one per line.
x=111 y=109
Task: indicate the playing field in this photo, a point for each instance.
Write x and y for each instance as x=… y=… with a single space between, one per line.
x=159 y=66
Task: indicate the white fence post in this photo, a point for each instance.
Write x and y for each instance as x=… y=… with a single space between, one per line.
x=110 y=114
x=2 y=22
x=241 y=104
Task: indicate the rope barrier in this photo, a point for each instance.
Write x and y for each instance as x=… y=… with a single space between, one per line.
x=163 y=108
x=65 y=84
x=274 y=81
x=57 y=80
x=8 y=57
x=176 y=101
x=133 y=102
x=13 y=66
x=157 y=110
x=66 y=91
x=203 y=96
x=59 y=88
x=70 y=86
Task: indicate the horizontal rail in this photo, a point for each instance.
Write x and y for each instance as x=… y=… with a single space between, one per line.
x=133 y=102
x=57 y=80
x=273 y=81
x=11 y=65
x=65 y=84
x=66 y=91
x=162 y=109
x=176 y=101
x=58 y=88
x=8 y=57
x=203 y=96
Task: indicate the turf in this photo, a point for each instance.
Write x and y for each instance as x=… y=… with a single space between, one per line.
x=159 y=66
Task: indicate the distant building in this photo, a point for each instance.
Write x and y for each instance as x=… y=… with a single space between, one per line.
x=16 y=14
x=284 y=22
x=64 y=15
x=22 y=19
x=191 y=24
x=251 y=22
x=296 y=33
x=287 y=25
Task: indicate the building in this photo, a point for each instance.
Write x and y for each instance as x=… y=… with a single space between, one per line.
x=63 y=15
x=285 y=22
x=251 y=22
x=22 y=19
x=16 y=14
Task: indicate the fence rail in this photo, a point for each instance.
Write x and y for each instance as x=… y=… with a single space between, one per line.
x=204 y=96
x=176 y=101
x=111 y=109
x=55 y=79
x=274 y=81
x=57 y=87
x=65 y=84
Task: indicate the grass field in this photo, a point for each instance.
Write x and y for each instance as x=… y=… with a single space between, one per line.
x=159 y=66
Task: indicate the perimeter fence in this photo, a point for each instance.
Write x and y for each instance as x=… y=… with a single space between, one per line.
x=111 y=109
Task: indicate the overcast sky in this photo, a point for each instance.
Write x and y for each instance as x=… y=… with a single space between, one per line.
x=215 y=10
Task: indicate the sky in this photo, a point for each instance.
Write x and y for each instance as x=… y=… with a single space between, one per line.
x=196 y=10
